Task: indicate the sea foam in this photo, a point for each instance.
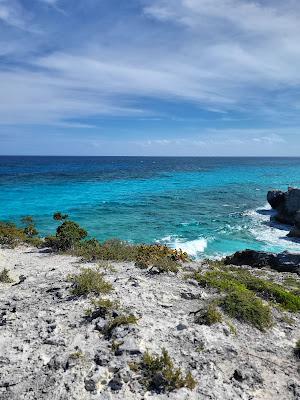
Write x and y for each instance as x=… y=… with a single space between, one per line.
x=273 y=235
x=191 y=247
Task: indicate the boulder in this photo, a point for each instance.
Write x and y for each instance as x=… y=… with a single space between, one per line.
x=275 y=198
x=287 y=204
x=282 y=262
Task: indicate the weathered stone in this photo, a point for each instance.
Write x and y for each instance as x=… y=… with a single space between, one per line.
x=130 y=346
x=283 y=262
x=287 y=204
x=115 y=384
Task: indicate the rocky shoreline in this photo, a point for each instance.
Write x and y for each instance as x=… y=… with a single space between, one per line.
x=51 y=350
x=287 y=207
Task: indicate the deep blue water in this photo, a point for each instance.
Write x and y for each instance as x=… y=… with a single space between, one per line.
x=207 y=206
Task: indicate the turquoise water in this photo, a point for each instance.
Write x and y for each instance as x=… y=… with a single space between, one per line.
x=207 y=206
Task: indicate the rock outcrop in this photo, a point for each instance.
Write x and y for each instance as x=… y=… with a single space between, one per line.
x=282 y=262
x=50 y=351
x=287 y=205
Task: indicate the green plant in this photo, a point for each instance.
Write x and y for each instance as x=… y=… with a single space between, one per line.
x=4 y=276
x=11 y=235
x=231 y=327
x=160 y=375
x=89 y=281
x=226 y=280
x=58 y=216
x=29 y=228
x=243 y=305
x=143 y=255
x=101 y=307
x=210 y=316
x=119 y=321
x=68 y=235
x=166 y=264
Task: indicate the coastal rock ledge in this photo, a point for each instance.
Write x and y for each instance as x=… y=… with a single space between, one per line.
x=281 y=262
x=287 y=206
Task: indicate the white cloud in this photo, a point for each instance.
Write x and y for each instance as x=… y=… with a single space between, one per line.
x=223 y=56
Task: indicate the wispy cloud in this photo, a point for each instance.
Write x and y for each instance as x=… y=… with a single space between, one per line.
x=229 y=58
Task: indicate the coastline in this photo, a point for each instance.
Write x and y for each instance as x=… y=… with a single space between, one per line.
x=44 y=327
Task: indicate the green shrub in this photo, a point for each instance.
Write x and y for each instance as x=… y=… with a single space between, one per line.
x=68 y=235
x=101 y=307
x=119 y=321
x=11 y=235
x=144 y=256
x=89 y=250
x=229 y=279
x=210 y=316
x=243 y=305
x=4 y=276
x=160 y=375
x=89 y=281
x=166 y=264
x=29 y=228
x=58 y=216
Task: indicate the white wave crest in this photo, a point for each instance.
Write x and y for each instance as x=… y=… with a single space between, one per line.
x=272 y=235
x=191 y=247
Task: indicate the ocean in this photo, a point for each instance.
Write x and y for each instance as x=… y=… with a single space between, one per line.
x=208 y=206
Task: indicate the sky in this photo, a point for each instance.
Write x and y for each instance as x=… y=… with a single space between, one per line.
x=150 y=77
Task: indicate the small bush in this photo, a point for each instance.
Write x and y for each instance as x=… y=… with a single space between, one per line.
x=89 y=281
x=101 y=307
x=245 y=306
x=143 y=255
x=11 y=235
x=166 y=265
x=210 y=316
x=4 y=276
x=160 y=375
x=29 y=228
x=68 y=235
x=119 y=321
x=238 y=278
x=58 y=216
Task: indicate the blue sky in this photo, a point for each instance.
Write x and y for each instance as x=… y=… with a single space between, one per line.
x=141 y=77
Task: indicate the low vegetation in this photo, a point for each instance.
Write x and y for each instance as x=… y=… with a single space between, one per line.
x=244 y=292
x=4 y=276
x=89 y=281
x=245 y=306
x=71 y=238
x=68 y=235
x=159 y=256
x=210 y=316
x=160 y=375
x=227 y=280
x=119 y=321
x=101 y=308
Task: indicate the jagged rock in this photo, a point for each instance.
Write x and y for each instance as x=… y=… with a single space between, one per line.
x=282 y=262
x=97 y=380
x=287 y=204
x=275 y=198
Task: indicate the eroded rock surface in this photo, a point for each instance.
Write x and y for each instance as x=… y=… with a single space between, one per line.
x=282 y=262
x=287 y=205
x=49 y=351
